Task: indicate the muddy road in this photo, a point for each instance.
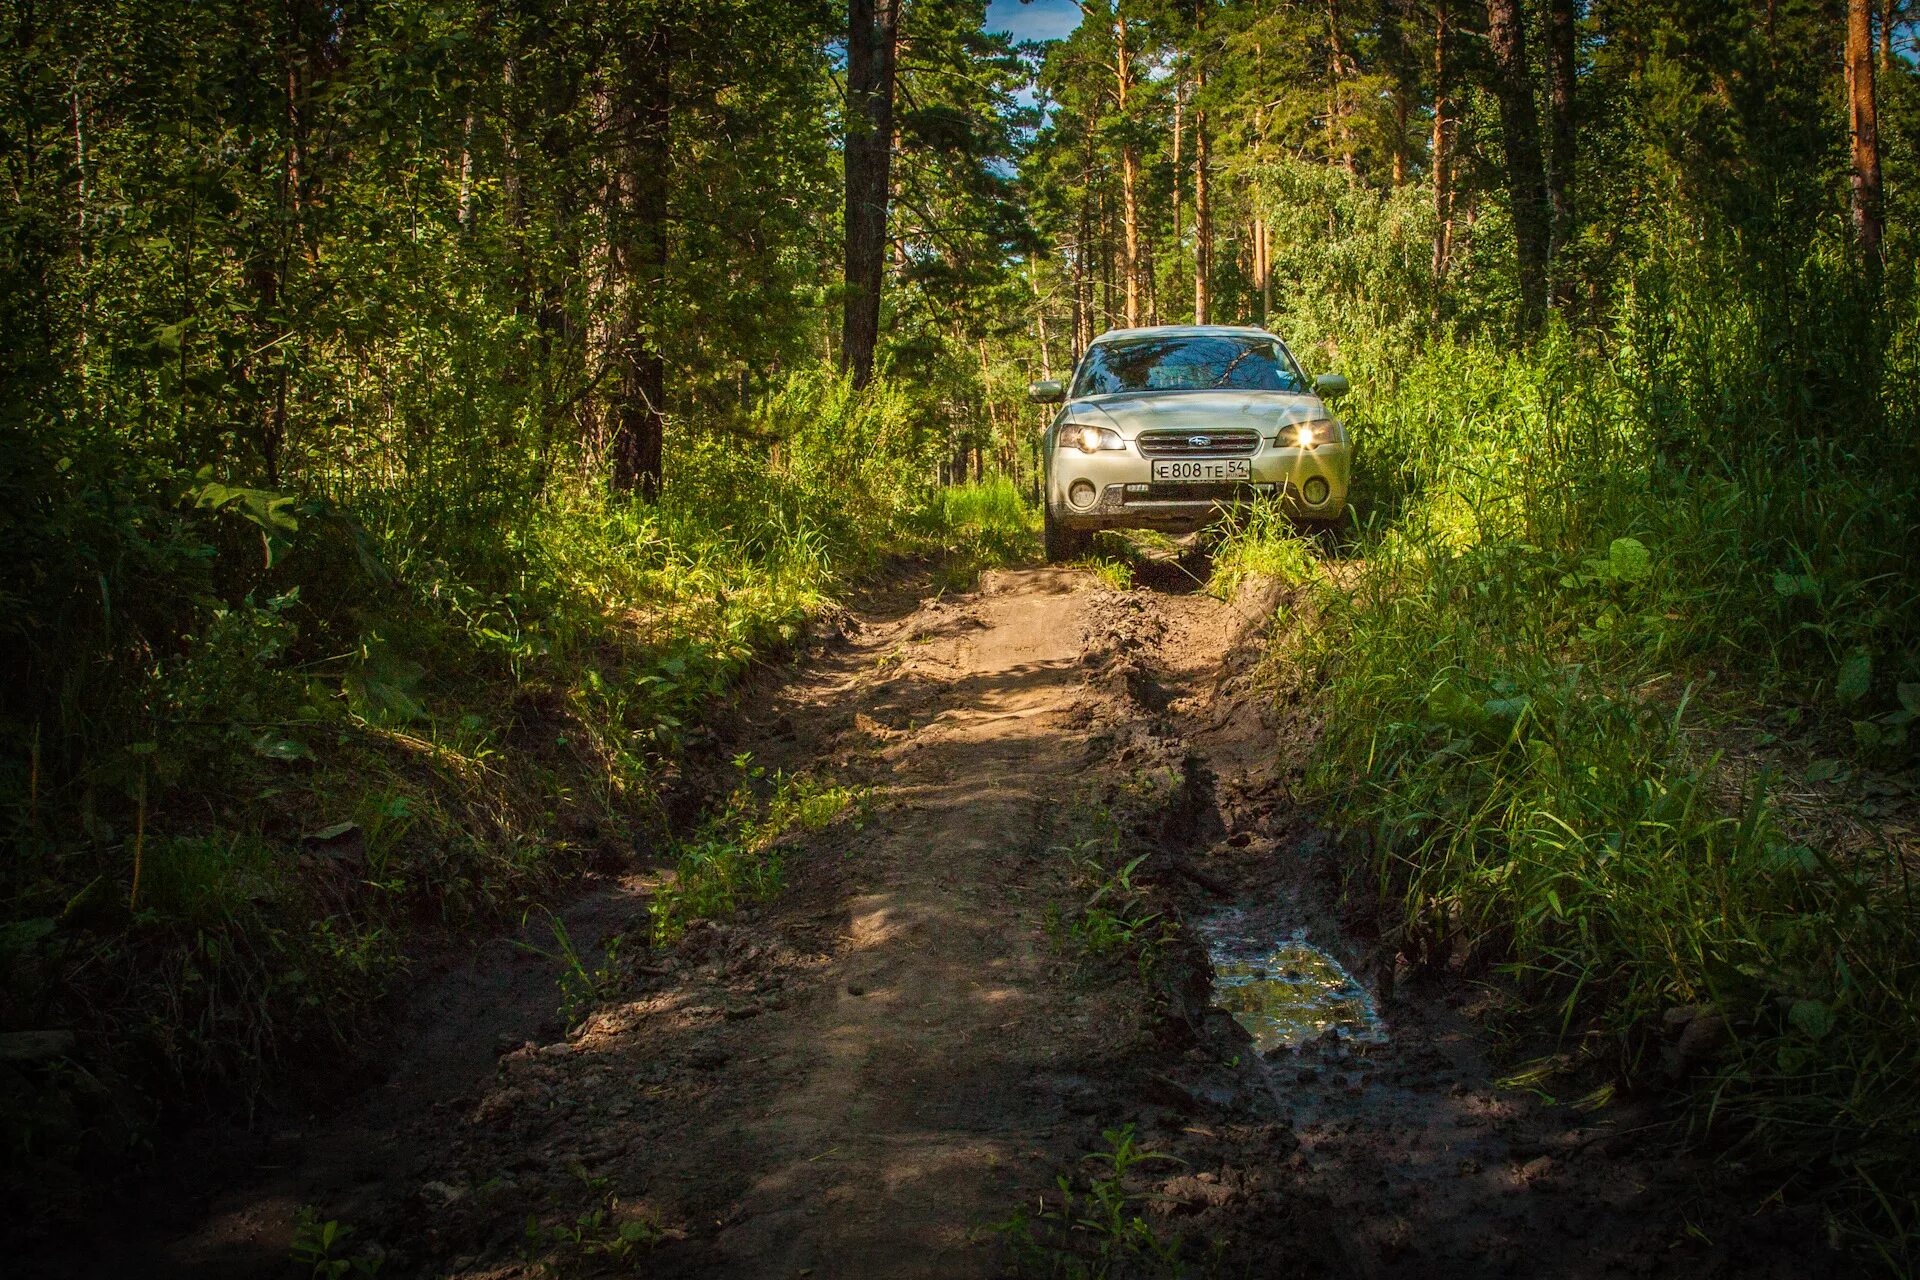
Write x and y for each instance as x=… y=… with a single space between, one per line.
x=870 y=1074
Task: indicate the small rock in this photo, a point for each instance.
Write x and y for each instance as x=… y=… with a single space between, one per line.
x=558 y=1049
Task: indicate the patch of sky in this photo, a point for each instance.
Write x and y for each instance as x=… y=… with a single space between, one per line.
x=1033 y=19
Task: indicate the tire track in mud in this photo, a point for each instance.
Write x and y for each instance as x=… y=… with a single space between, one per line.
x=863 y=1076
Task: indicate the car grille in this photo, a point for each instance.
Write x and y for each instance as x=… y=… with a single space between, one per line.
x=1240 y=491
x=1229 y=443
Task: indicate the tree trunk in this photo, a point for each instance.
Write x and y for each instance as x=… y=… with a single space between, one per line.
x=1888 y=8
x=1442 y=145
x=1106 y=262
x=1040 y=319
x=1179 y=231
x=1202 y=217
x=1863 y=127
x=872 y=45
x=1520 y=133
x=644 y=117
x=1129 y=171
x=1561 y=71
x=1340 y=68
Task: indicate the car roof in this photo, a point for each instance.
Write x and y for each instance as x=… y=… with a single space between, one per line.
x=1184 y=331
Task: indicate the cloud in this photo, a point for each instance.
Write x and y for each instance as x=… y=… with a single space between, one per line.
x=1038 y=20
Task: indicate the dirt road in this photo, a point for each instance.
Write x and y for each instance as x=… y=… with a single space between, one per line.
x=865 y=1076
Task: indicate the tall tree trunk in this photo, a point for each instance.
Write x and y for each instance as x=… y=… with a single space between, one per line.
x=1863 y=127
x=1561 y=72
x=1202 y=216
x=1179 y=231
x=1406 y=86
x=1442 y=143
x=644 y=119
x=1888 y=8
x=1263 y=265
x=1520 y=133
x=1129 y=170
x=872 y=44
x=1082 y=284
x=1040 y=319
x=1106 y=262
x=1340 y=68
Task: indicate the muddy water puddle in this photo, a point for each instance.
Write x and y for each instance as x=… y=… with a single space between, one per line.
x=1288 y=992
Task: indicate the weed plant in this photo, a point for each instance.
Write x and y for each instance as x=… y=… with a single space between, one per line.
x=1096 y=1227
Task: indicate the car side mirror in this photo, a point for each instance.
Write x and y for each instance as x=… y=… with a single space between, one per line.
x=1329 y=386
x=1048 y=392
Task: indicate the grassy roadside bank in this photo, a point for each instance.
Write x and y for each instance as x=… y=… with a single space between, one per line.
x=1617 y=630
x=272 y=740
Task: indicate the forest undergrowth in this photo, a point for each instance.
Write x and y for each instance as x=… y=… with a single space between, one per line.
x=279 y=741
x=1607 y=603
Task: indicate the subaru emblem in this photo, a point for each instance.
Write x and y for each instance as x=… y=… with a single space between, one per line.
x=1199 y=442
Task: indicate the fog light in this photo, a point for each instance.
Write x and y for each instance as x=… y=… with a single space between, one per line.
x=1080 y=493
x=1315 y=490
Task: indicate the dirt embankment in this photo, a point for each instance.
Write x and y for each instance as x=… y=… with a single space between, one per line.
x=864 y=1076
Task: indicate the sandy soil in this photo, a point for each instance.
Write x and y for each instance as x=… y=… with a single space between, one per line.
x=864 y=1076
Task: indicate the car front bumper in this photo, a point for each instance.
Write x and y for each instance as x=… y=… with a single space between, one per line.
x=1125 y=497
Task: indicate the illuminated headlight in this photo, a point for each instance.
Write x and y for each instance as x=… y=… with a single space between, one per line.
x=1089 y=439
x=1307 y=435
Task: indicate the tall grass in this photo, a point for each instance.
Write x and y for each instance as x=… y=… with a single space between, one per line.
x=1609 y=599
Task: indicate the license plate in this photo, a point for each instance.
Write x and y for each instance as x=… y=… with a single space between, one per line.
x=1202 y=470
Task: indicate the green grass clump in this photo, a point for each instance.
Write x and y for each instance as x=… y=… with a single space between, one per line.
x=982 y=525
x=739 y=856
x=1261 y=542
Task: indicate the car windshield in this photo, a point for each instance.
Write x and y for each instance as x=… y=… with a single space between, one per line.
x=1203 y=362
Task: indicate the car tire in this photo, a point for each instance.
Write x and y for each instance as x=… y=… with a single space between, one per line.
x=1061 y=543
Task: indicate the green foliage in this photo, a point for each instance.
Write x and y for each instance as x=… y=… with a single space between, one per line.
x=316 y=1245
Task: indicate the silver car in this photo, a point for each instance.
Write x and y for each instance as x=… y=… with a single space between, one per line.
x=1164 y=428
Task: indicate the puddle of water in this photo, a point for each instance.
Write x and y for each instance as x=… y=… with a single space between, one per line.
x=1286 y=993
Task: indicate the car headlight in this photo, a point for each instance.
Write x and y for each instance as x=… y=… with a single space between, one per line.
x=1089 y=439
x=1307 y=435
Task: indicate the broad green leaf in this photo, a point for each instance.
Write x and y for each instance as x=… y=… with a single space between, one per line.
x=1811 y=1018
x=1822 y=770
x=1450 y=704
x=1628 y=560
x=1854 y=678
x=1910 y=696
x=278 y=746
x=1792 y=584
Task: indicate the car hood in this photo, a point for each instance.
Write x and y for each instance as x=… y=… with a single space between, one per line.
x=1133 y=412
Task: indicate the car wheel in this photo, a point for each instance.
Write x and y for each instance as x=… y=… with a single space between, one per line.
x=1061 y=543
